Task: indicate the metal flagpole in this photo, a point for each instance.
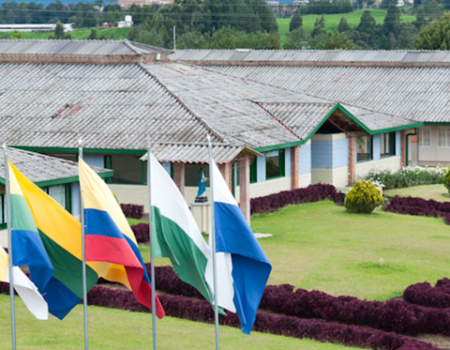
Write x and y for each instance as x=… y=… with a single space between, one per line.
x=83 y=249
x=10 y=251
x=152 y=254
x=213 y=240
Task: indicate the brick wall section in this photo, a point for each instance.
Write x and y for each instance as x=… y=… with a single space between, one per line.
x=225 y=169
x=351 y=159
x=403 y=147
x=178 y=176
x=294 y=168
x=244 y=185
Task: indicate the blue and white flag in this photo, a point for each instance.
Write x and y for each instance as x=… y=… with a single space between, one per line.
x=242 y=266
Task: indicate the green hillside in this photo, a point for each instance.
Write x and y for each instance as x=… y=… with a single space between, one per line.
x=332 y=21
x=80 y=34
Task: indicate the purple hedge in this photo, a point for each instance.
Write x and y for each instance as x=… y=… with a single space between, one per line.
x=319 y=330
x=426 y=295
x=142 y=232
x=312 y=193
x=133 y=211
x=419 y=207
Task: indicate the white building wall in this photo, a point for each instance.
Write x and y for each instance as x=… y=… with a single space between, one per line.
x=338 y=177
x=432 y=155
x=362 y=169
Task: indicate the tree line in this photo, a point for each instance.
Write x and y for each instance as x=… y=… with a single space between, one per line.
x=428 y=31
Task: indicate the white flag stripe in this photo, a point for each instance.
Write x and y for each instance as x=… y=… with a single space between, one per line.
x=170 y=202
x=26 y=289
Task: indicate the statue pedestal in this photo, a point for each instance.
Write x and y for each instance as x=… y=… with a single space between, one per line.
x=202 y=215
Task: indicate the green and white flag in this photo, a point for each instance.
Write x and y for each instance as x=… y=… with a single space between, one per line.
x=175 y=231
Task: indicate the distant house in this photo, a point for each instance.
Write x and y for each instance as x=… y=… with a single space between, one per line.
x=68 y=27
x=299 y=3
x=128 y=3
x=273 y=5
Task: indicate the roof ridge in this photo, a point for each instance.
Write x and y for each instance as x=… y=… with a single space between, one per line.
x=209 y=127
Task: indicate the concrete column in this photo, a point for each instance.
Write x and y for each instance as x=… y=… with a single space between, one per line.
x=225 y=169
x=178 y=176
x=244 y=185
x=351 y=159
x=403 y=147
x=294 y=168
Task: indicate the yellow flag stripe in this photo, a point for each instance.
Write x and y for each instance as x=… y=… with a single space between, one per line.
x=4 y=261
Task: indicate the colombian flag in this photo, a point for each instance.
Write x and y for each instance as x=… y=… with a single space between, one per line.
x=59 y=233
x=110 y=239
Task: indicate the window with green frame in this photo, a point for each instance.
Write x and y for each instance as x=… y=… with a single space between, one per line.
x=387 y=144
x=128 y=169
x=2 y=213
x=253 y=172
x=275 y=164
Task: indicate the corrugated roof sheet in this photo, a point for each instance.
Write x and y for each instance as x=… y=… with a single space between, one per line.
x=420 y=94
x=312 y=56
x=110 y=106
x=196 y=153
x=76 y=47
x=38 y=167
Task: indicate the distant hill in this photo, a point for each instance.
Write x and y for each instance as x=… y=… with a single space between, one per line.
x=46 y=2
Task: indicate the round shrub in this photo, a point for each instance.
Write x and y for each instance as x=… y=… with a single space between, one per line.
x=364 y=197
x=447 y=180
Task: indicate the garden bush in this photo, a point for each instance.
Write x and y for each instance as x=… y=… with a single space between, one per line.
x=447 y=180
x=407 y=177
x=141 y=232
x=132 y=211
x=312 y=193
x=419 y=207
x=425 y=295
x=364 y=197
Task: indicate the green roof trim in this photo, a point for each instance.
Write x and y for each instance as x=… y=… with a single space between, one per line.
x=350 y=116
x=64 y=180
x=138 y=152
x=437 y=123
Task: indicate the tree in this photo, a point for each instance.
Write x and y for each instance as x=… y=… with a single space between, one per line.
x=340 y=41
x=417 y=3
x=103 y=37
x=343 y=25
x=296 y=21
x=93 y=35
x=420 y=17
x=90 y=20
x=433 y=11
x=435 y=36
x=447 y=5
x=319 y=26
x=80 y=17
x=59 y=31
x=392 y=22
x=296 y=40
x=406 y=37
x=367 y=23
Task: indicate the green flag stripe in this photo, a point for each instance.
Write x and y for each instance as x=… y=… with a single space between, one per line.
x=188 y=262
x=68 y=268
x=21 y=217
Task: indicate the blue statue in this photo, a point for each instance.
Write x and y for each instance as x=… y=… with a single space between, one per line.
x=201 y=196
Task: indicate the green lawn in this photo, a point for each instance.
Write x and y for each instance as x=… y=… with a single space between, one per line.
x=321 y=246
x=79 y=34
x=332 y=21
x=117 y=329
x=436 y=192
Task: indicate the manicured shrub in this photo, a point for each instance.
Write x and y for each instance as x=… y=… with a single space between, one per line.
x=141 y=232
x=312 y=193
x=133 y=211
x=419 y=207
x=425 y=295
x=447 y=180
x=364 y=197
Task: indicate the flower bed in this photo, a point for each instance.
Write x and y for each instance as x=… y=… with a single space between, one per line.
x=426 y=295
x=419 y=207
x=407 y=177
x=132 y=211
x=312 y=193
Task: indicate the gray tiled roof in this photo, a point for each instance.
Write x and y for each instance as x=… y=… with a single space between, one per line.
x=314 y=56
x=38 y=167
x=194 y=153
x=76 y=47
x=420 y=94
x=110 y=106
